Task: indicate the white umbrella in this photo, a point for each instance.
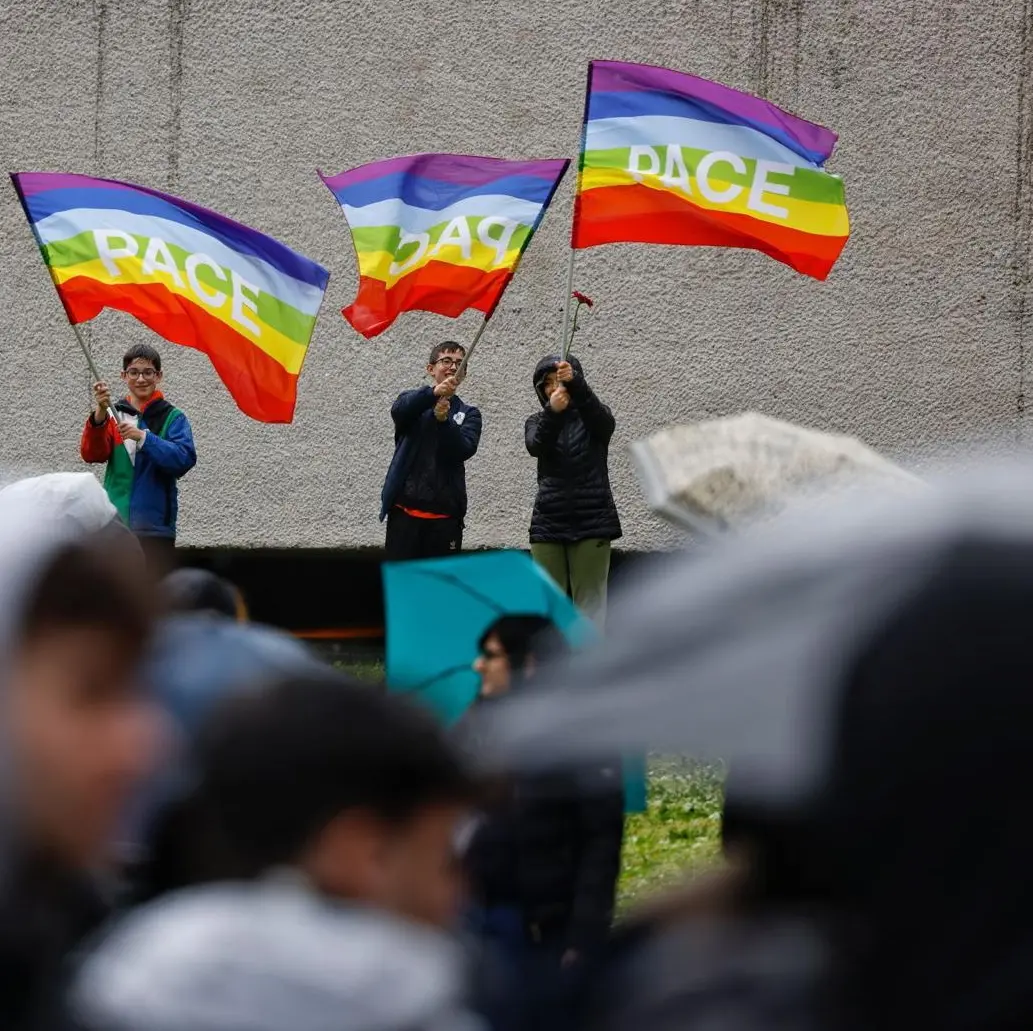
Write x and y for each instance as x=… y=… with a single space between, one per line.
x=727 y=473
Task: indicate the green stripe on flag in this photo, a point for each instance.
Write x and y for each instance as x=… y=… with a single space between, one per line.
x=804 y=184
x=276 y=314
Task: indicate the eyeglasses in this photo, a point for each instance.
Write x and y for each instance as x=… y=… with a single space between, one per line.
x=141 y=373
x=451 y=363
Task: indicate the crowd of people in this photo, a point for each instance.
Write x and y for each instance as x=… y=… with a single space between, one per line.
x=199 y=813
x=205 y=827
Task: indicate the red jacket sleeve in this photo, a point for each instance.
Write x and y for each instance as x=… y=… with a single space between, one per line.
x=98 y=441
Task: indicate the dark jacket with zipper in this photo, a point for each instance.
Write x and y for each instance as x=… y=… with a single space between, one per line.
x=430 y=456
x=550 y=847
x=574 y=500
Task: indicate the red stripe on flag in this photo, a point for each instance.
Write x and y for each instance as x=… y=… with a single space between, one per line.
x=261 y=386
x=638 y=214
x=437 y=287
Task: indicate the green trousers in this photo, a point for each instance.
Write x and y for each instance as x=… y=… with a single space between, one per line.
x=581 y=570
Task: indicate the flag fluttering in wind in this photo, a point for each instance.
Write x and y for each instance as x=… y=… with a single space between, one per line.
x=674 y=159
x=439 y=232
x=195 y=277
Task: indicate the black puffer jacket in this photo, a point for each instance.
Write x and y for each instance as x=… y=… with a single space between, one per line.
x=551 y=848
x=574 y=501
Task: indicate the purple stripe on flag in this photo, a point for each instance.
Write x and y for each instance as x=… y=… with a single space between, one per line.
x=72 y=188
x=37 y=182
x=459 y=169
x=620 y=76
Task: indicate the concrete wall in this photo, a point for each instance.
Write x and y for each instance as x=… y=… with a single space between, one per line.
x=920 y=338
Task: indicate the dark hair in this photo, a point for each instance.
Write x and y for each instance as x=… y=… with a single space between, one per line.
x=85 y=585
x=278 y=765
x=439 y=349
x=525 y=637
x=144 y=351
x=197 y=590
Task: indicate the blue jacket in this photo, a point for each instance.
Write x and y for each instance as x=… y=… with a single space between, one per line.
x=145 y=493
x=460 y=435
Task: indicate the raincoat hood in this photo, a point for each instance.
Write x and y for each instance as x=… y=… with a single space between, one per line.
x=547 y=365
x=268 y=956
x=76 y=500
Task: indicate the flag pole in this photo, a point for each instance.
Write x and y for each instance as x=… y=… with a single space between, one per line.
x=461 y=371
x=89 y=361
x=564 y=339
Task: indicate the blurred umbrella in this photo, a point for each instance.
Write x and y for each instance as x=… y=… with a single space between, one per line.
x=437 y=610
x=731 y=655
x=723 y=474
x=76 y=499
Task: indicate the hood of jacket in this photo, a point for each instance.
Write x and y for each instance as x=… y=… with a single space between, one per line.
x=547 y=365
x=267 y=956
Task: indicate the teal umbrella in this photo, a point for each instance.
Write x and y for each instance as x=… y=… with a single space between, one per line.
x=437 y=610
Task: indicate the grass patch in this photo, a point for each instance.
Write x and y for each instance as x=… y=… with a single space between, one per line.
x=680 y=831
x=677 y=835
x=371 y=671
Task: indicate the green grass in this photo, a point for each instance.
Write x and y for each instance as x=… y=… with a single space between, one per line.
x=372 y=671
x=677 y=835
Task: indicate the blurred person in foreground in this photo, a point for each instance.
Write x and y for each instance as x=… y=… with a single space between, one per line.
x=198 y=590
x=328 y=812
x=196 y=662
x=543 y=861
x=884 y=883
x=78 y=735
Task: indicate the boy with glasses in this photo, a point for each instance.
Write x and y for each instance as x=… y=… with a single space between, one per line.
x=141 y=478
x=424 y=495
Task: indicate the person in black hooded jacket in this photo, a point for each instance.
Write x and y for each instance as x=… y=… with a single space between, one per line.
x=544 y=859
x=575 y=518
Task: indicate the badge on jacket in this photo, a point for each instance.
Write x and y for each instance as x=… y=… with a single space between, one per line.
x=458 y=418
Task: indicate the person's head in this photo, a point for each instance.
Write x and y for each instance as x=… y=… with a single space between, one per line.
x=545 y=380
x=197 y=590
x=445 y=359
x=141 y=372
x=359 y=790
x=81 y=731
x=512 y=649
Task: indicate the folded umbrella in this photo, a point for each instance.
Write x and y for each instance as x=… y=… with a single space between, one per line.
x=728 y=473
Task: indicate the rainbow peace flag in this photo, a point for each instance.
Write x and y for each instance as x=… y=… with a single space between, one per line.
x=671 y=158
x=195 y=277
x=439 y=232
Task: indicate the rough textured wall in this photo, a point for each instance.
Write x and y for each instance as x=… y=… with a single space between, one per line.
x=920 y=338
